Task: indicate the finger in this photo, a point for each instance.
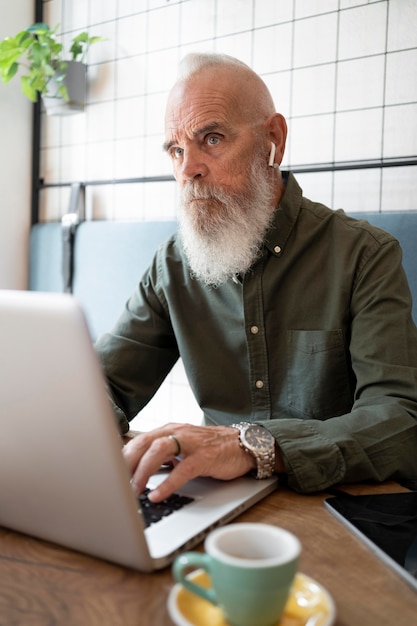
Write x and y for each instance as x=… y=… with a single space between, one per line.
x=134 y=449
x=161 y=450
x=183 y=472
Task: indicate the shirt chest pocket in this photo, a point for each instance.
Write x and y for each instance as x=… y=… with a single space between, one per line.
x=318 y=382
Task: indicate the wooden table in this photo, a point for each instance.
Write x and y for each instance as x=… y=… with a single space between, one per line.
x=43 y=585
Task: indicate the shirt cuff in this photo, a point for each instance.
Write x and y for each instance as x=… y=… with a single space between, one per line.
x=312 y=462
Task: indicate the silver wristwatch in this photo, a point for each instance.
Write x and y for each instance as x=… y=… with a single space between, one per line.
x=259 y=442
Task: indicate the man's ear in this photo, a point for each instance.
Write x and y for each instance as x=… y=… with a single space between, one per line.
x=276 y=130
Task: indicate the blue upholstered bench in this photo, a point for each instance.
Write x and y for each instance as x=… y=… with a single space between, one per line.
x=403 y=226
x=109 y=259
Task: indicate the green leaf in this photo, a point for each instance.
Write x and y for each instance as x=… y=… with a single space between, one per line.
x=54 y=46
x=75 y=50
x=63 y=92
x=48 y=70
x=12 y=72
x=8 y=44
x=10 y=52
x=8 y=57
x=40 y=28
x=8 y=64
x=28 y=90
x=38 y=53
x=95 y=40
x=81 y=37
x=38 y=82
x=24 y=38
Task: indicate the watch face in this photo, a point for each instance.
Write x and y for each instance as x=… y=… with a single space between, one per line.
x=259 y=442
x=257 y=438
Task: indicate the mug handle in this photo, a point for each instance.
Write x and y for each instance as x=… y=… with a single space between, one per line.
x=193 y=560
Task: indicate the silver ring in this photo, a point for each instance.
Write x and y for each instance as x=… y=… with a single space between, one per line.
x=177 y=443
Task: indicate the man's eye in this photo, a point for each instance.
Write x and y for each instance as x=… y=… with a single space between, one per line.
x=213 y=140
x=177 y=153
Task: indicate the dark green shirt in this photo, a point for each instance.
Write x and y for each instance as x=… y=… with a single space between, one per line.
x=316 y=343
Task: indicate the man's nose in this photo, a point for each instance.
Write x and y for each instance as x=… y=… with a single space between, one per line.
x=193 y=164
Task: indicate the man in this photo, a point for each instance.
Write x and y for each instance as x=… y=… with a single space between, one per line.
x=293 y=321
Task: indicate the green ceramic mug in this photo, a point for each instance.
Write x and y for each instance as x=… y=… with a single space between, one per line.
x=251 y=567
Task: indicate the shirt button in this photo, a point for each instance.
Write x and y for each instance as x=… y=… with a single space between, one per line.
x=259 y=384
x=277 y=249
x=254 y=330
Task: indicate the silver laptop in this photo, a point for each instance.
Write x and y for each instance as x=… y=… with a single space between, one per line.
x=63 y=477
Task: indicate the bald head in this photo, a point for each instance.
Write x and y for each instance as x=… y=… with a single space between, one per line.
x=238 y=81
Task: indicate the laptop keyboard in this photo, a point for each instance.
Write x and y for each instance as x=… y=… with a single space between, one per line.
x=155 y=511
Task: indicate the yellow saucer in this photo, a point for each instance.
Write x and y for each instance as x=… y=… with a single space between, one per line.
x=307 y=599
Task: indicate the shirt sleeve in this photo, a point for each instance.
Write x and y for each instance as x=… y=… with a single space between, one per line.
x=377 y=439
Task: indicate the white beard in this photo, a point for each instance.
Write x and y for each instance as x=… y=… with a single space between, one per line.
x=222 y=242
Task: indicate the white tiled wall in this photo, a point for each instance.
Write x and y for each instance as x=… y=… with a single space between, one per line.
x=343 y=72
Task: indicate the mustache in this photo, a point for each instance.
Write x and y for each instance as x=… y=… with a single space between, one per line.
x=195 y=191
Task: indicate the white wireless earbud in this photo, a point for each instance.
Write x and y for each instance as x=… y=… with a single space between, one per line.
x=272 y=156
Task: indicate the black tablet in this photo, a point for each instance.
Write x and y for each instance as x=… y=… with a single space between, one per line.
x=387 y=523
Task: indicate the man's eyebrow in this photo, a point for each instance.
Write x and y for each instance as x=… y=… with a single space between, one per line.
x=209 y=128
x=167 y=145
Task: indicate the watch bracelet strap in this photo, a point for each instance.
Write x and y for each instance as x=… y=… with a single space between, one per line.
x=267 y=467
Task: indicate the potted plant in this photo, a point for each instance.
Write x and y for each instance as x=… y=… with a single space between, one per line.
x=61 y=82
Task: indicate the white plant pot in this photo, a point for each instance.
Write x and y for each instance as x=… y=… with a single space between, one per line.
x=76 y=83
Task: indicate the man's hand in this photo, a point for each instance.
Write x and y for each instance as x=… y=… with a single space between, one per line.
x=205 y=451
